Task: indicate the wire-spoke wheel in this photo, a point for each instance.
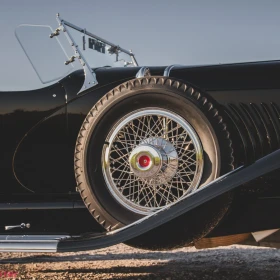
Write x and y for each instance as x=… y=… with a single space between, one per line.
x=153 y=158
x=149 y=143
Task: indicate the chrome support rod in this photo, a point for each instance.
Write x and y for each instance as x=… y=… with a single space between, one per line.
x=90 y=77
x=83 y=30
x=134 y=59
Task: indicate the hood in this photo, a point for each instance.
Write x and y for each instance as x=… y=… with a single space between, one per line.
x=261 y=75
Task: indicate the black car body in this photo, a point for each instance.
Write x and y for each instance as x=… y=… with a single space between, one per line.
x=40 y=127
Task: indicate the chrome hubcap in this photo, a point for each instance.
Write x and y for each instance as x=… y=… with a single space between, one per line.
x=145 y=161
x=152 y=158
x=160 y=157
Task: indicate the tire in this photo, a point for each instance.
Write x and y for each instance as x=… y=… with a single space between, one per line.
x=202 y=121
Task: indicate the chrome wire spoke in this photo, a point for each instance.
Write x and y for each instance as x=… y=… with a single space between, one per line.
x=154 y=158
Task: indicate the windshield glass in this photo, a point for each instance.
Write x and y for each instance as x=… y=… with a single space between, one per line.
x=46 y=56
x=56 y=53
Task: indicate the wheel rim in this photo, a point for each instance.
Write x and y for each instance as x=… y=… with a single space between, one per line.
x=152 y=158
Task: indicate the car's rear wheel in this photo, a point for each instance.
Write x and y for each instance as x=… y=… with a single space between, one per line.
x=152 y=158
x=146 y=144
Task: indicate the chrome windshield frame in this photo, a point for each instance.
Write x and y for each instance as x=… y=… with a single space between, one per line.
x=90 y=76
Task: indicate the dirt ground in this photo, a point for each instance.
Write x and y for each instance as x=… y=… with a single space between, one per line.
x=123 y=262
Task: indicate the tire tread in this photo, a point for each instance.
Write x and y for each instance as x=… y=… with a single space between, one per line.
x=201 y=101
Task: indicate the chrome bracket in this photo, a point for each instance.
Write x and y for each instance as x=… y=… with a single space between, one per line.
x=90 y=76
x=55 y=33
x=168 y=69
x=71 y=59
x=143 y=72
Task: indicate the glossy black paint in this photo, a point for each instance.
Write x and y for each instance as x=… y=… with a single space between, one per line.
x=21 y=113
x=228 y=77
x=39 y=128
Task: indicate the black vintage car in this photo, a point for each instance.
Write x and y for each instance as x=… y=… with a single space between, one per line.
x=157 y=157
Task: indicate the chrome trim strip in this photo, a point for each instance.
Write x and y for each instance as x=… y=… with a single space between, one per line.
x=42 y=205
x=30 y=243
x=143 y=72
x=31 y=237
x=24 y=247
x=168 y=69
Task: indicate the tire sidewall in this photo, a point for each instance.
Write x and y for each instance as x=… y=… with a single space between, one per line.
x=126 y=102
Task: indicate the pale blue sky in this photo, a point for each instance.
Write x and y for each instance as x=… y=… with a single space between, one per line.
x=160 y=32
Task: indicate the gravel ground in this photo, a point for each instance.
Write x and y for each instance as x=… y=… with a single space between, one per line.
x=123 y=262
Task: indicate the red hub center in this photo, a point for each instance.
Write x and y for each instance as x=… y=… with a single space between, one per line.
x=144 y=161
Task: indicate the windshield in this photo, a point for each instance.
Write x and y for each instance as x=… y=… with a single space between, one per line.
x=54 y=53
x=46 y=56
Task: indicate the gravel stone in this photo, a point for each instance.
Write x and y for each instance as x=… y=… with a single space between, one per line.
x=123 y=262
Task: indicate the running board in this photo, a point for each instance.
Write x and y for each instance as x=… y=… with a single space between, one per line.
x=218 y=187
x=30 y=243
